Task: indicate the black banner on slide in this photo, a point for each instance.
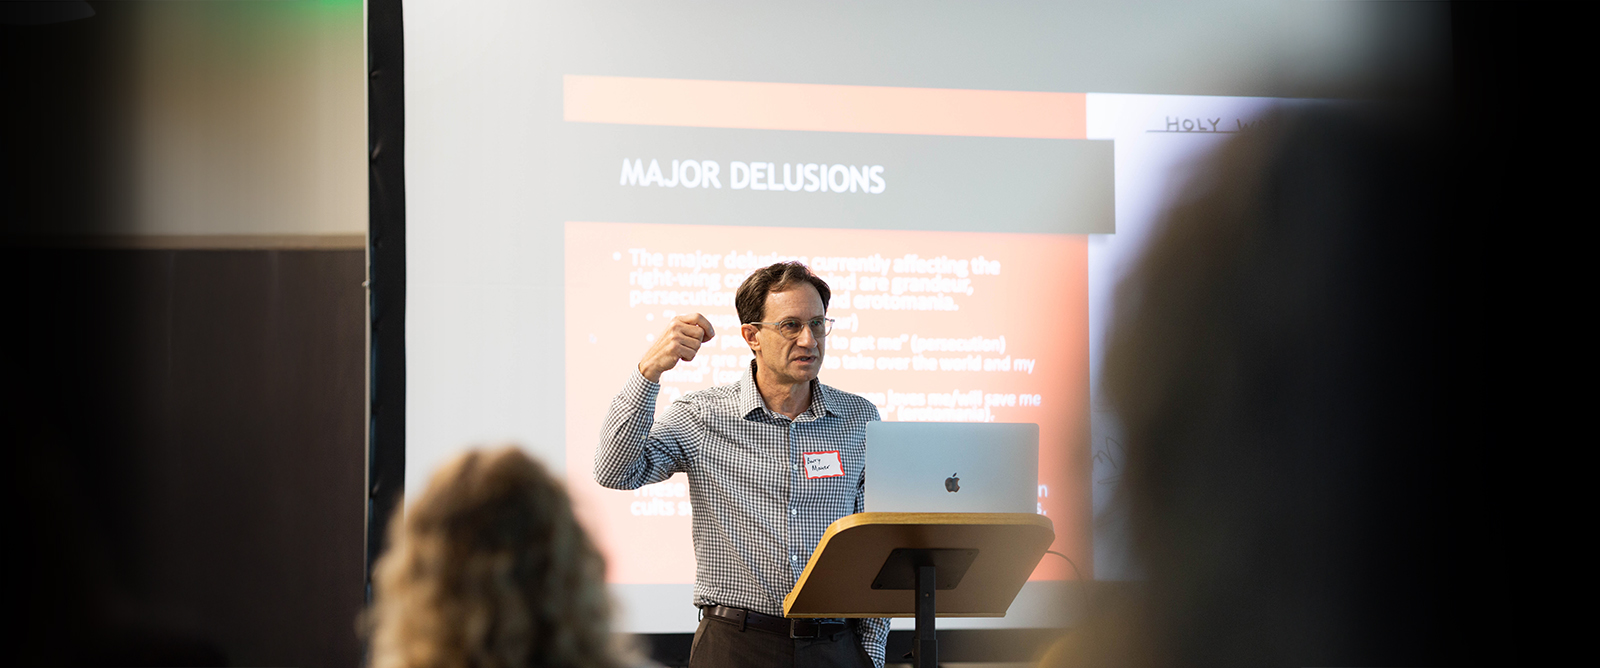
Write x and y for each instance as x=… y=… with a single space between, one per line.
x=700 y=176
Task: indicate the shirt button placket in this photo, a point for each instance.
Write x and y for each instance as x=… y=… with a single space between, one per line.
x=794 y=489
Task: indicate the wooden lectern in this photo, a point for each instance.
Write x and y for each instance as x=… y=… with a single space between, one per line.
x=890 y=565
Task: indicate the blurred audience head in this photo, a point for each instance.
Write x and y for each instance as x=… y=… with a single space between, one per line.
x=1281 y=363
x=490 y=569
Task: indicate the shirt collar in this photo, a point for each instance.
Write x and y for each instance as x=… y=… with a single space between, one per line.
x=750 y=397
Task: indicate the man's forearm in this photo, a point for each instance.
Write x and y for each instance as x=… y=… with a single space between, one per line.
x=620 y=461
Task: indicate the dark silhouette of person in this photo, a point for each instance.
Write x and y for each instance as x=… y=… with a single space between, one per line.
x=1312 y=420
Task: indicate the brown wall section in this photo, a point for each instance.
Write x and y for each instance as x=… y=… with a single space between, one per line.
x=187 y=450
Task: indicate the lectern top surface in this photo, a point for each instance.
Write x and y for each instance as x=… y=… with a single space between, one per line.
x=837 y=581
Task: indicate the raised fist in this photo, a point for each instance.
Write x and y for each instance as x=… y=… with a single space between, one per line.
x=680 y=341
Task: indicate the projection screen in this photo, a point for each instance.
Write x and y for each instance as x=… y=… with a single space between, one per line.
x=970 y=178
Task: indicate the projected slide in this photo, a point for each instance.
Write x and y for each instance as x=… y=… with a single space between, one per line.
x=950 y=224
x=931 y=327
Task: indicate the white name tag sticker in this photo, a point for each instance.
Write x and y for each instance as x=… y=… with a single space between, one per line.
x=823 y=464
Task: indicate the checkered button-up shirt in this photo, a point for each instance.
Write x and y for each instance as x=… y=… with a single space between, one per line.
x=757 y=516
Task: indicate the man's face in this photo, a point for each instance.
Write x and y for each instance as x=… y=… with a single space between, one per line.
x=780 y=358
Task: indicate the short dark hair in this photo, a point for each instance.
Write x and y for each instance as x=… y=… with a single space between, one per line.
x=751 y=299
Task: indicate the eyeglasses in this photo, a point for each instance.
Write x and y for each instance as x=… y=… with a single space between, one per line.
x=790 y=327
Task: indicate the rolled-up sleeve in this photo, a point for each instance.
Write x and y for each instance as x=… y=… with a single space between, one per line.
x=635 y=451
x=874 y=635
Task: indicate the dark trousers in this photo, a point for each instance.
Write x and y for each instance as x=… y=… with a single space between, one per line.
x=719 y=643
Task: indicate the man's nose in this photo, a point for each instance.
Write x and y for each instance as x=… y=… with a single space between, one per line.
x=806 y=338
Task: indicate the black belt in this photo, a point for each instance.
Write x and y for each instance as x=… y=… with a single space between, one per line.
x=794 y=628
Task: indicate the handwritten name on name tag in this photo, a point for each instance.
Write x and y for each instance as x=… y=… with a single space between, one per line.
x=823 y=464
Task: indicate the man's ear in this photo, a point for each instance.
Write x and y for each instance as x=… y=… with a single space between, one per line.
x=748 y=331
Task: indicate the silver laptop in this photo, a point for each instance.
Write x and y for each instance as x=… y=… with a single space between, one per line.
x=952 y=467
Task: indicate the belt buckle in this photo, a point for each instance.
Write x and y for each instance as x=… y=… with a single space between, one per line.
x=794 y=624
x=816 y=628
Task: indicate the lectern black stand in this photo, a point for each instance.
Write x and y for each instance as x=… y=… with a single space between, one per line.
x=921 y=565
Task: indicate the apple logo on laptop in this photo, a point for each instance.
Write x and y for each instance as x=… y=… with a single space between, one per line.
x=952 y=483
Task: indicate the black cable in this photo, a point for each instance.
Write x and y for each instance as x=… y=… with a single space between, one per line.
x=1069 y=563
x=1083 y=584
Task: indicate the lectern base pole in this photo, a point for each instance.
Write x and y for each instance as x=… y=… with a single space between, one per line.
x=925 y=649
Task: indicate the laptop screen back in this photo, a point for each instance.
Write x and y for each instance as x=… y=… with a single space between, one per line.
x=952 y=467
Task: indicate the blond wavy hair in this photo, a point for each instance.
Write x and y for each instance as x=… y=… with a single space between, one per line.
x=490 y=569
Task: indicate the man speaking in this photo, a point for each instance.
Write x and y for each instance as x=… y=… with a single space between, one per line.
x=772 y=460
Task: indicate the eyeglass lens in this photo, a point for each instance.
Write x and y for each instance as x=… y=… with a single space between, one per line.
x=820 y=327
